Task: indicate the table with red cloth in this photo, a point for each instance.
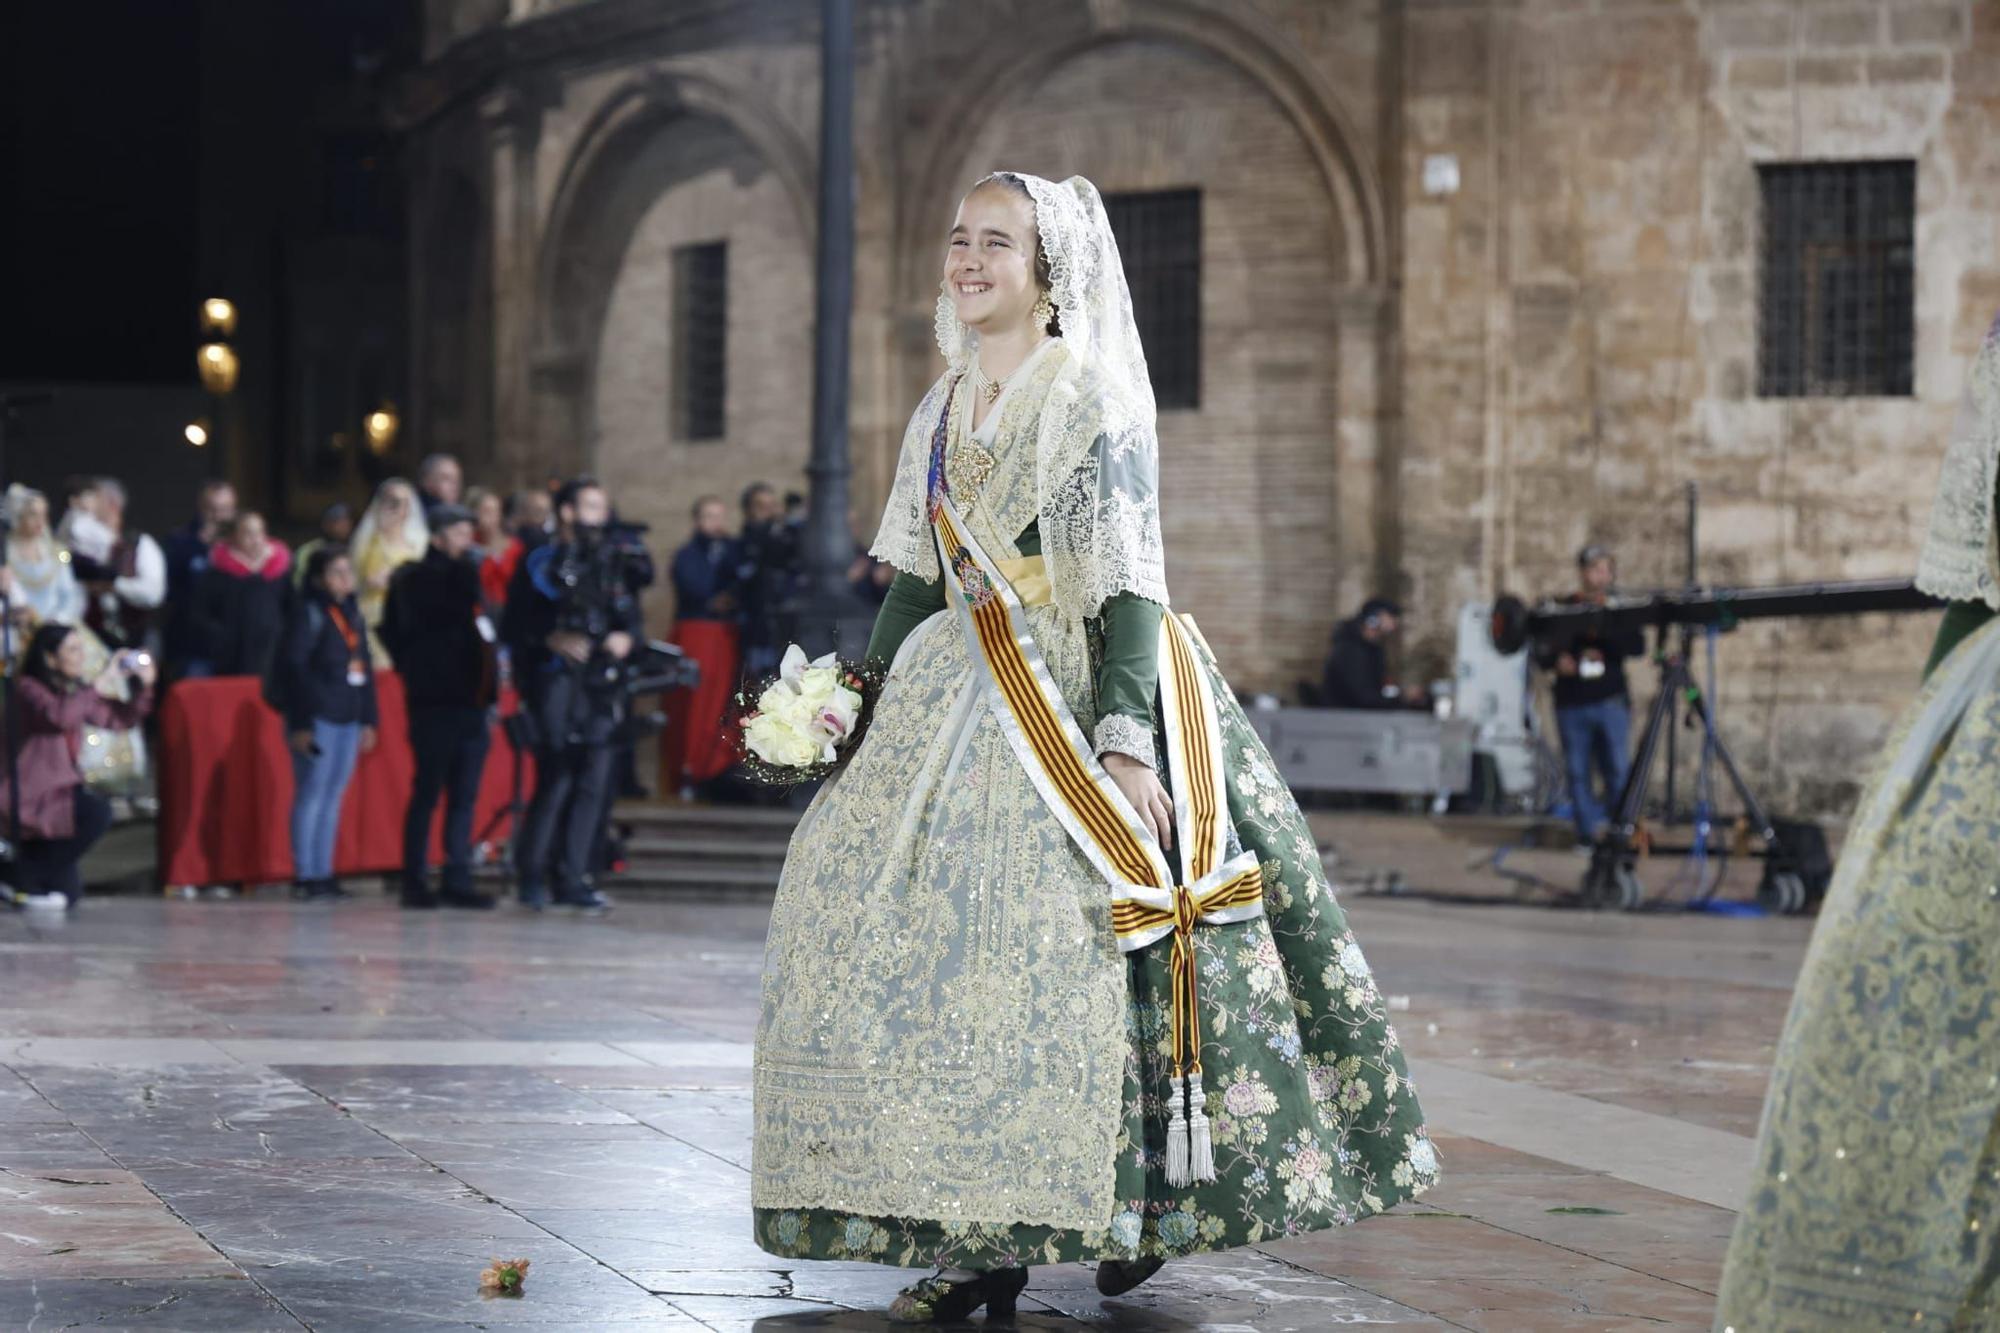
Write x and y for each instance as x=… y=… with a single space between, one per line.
x=225 y=779
x=693 y=748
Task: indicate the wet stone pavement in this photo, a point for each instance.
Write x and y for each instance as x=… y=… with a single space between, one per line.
x=266 y=1115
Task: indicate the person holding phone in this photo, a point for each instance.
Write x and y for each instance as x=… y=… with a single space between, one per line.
x=56 y=700
x=327 y=678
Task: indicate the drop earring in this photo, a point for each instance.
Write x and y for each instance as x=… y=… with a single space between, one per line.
x=1044 y=313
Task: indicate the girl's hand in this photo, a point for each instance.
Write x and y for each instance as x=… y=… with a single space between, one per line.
x=1142 y=788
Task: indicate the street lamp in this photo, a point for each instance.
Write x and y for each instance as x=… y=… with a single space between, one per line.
x=380 y=426
x=219 y=365
x=218 y=316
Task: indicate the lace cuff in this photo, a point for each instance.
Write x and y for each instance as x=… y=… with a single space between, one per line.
x=1119 y=734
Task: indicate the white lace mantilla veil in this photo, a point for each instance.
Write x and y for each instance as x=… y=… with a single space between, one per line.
x=1961 y=557
x=1097 y=451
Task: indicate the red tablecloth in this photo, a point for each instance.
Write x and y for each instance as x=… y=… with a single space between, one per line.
x=225 y=778
x=693 y=748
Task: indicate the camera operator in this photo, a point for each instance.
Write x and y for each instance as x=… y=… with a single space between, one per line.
x=569 y=624
x=1593 y=707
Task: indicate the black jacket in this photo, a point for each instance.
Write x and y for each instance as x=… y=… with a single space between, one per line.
x=534 y=611
x=1614 y=646
x=313 y=665
x=430 y=625
x=239 y=619
x=1357 y=671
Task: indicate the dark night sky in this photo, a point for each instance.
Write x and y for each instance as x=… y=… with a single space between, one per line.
x=100 y=113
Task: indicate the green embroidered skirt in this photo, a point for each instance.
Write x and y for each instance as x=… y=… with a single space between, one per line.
x=1315 y=1123
x=1876 y=1193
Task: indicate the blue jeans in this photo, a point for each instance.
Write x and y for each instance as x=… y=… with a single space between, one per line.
x=322 y=782
x=1595 y=736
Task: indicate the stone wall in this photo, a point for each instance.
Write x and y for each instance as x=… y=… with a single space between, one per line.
x=1442 y=392
x=1579 y=323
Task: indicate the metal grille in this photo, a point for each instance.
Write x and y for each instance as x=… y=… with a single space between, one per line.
x=701 y=339
x=1837 y=314
x=1159 y=238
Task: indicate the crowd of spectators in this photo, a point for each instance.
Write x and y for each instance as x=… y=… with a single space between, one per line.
x=97 y=613
x=418 y=580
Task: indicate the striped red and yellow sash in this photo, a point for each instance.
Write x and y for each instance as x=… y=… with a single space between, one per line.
x=1151 y=896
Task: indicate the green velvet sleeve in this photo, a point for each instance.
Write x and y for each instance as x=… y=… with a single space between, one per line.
x=1131 y=672
x=1131 y=624
x=910 y=603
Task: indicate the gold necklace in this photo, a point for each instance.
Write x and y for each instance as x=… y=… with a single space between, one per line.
x=991 y=388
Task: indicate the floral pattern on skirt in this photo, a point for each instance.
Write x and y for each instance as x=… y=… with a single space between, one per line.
x=1314 y=1121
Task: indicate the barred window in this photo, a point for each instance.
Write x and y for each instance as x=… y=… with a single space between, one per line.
x=701 y=327
x=1159 y=238
x=1838 y=304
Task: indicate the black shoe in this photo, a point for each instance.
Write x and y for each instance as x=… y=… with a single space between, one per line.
x=420 y=900
x=330 y=888
x=467 y=899
x=1115 y=1277
x=939 y=1300
x=588 y=900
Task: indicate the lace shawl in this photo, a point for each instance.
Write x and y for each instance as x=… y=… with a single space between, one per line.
x=1961 y=556
x=1097 y=455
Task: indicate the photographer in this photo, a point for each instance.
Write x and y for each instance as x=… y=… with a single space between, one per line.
x=60 y=817
x=569 y=624
x=438 y=634
x=1593 y=707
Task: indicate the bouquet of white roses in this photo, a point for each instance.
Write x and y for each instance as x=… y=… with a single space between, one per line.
x=805 y=721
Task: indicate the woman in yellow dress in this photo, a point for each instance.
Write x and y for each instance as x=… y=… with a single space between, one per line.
x=1053 y=972
x=390 y=535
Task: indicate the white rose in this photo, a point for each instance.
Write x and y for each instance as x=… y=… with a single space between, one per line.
x=775 y=741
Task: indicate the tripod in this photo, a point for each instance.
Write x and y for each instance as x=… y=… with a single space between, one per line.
x=516 y=809
x=1611 y=880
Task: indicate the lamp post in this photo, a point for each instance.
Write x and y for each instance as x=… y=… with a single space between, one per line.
x=219 y=366
x=827 y=613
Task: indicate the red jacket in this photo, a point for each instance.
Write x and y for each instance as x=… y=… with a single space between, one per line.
x=52 y=727
x=496 y=571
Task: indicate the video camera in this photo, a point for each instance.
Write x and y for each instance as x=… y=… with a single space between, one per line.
x=591 y=573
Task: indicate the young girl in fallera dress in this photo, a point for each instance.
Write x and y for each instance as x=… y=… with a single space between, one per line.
x=1053 y=972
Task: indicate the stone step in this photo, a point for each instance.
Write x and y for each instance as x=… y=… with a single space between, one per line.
x=695 y=881
x=647 y=845
x=674 y=816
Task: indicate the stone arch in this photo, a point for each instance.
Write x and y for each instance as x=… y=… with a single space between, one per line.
x=646 y=137
x=1217 y=29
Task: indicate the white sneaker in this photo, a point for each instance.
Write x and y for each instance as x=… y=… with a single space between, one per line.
x=47 y=902
x=218 y=892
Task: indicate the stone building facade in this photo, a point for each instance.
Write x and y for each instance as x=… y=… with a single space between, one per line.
x=1479 y=282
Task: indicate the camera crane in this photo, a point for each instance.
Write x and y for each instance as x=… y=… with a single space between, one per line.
x=1795 y=874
